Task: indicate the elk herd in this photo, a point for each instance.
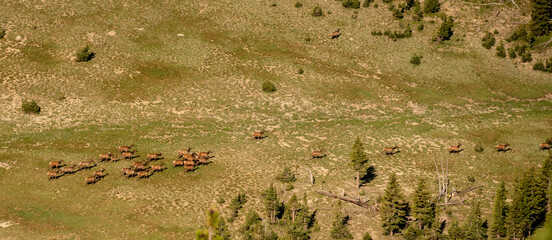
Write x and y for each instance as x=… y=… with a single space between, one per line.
x=141 y=169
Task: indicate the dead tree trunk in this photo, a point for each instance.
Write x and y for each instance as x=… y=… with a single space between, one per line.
x=442 y=177
x=357 y=202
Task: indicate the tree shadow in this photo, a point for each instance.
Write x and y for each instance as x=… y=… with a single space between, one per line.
x=368 y=176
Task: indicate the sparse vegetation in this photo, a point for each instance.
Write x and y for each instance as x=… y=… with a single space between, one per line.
x=512 y=53
x=317 y=12
x=298 y=4
x=236 y=204
x=2 y=33
x=85 y=54
x=30 y=106
x=432 y=6
x=539 y=66
x=478 y=148
x=300 y=71
x=488 y=40
x=351 y=3
x=445 y=31
x=286 y=176
x=367 y=3
x=416 y=59
x=501 y=51
x=268 y=86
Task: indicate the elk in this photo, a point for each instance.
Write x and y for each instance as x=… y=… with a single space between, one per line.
x=204 y=154
x=317 y=154
x=139 y=166
x=336 y=34
x=183 y=152
x=129 y=172
x=178 y=163
x=143 y=174
x=503 y=147
x=55 y=164
x=154 y=156
x=455 y=149
x=105 y=157
x=189 y=165
x=258 y=135
x=191 y=157
x=203 y=160
x=124 y=171
x=86 y=164
x=390 y=150
x=100 y=174
x=53 y=175
x=90 y=180
x=545 y=146
x=69 y=170
x=128 y=155
x=158 y=168
x=123 y=149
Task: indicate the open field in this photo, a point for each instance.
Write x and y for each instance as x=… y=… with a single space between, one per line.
x=163 y=92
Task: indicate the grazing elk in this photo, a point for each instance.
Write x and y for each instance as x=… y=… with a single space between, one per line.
x=90 y=180
x=55 y=164
x=158 y=168
x=87 y=164
x=258 y=135
x=105 y=157
x=390 y=150
x=204 y=154
x=317 y=154
x=144 y=174
x=545 y=146
x=183 y=152
x=455 y=149
x=336 y=34
x=191 y=157
x=503 y=147
x=53 y=175
x=69 y=170
x=154 y=156
x=203 y=160
x=178 y=163
x=128 y=155
x=189 y=165
x=128 y=172
x=139 y=166
x=123 y=149
x=100 y=174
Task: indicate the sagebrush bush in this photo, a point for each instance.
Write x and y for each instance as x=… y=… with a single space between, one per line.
x=2 y=33
x=30 y=106
x=85 y=55
x=289 y=187
x=351 y=4
x=478 y=148
x=268 y=86
x=549 y=65
x=398 y=13
x=387 y=1
x=519 y=33
x=488 y=40
x=539 y=66
x=367 y=3
x=298 y=4
x=501 y=51
x=421 y=27
x=286 y=176
x=432 y=6
x=376 y=33
x=512 y=53
x=526 y=57
x=300 y=71
x=416 y=59
x=317 y=12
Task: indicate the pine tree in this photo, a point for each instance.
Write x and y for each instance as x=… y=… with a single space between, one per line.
x=541 y=15
x=475 y=228
x=422 y=209
x=394 y=209
x=445 y=31
x=301 y=226
x=498 y=227
x=359 y=159
x=236 y=204
x=214 y=230
x=253 y=228
x=455 y=232
x=529 y=206
x=271 y=202
x=339 y=226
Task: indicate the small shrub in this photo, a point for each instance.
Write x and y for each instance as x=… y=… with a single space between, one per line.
x=512 y=53
x=376 y=33
x=236 y=204
x=398 y=13
x=367 y=3
x=289 y=187
x=376 y=5
x=351 y=4
x=549 y=67
x=300 y=71
x=268 y=86
x=495 y=32
x=308 y=39
x=519 y=33
x=488 y=40
x=387 y=1
x=539 y=66
x=273 y=5
x=286 y=176
x=85 y=55
x=367 y=236
x=432 y=6
x=526 y=57
x=421 y=27
x=471 y=179
x=387 y=32
x=416 y=59
x=298 y=4
x=445 y=31
x=2 y=33
x=317 y=12
x=478 y=148
x=30 y=106
x=361 y=193
x=500 y=51
x=221 y=200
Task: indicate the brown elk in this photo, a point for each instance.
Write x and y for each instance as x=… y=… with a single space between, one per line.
x=154 y=156
x=503 y=147
x=139 y=166
x=158 y=168
x=53 y=175
x=204 y=154
x=55 y=164
x=258 y=135
x=105 y=157
x=125 y=170
x=128 y=172
x=183 y=152
x=545 y=146
x=144 y=174
x=390 y=150
x=90 y=180
x=189 y=165
x=86 y=164
x=100 y=174
x=317 y=154
x=455 y=149
x=69 y=170
x=178 y=163
x=203 y=160
x=123 y=149
x=128 y=155
x=191 y=157
x=336 y=34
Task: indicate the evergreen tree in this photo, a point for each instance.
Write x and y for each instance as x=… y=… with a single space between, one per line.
x=253 y=228
x=300 y=226
x=271 y=202
x=423 y=209
x=529 y=206
x=367 y=236
x=432 y=6
x=359 y=159
x=394 y=209
x=236 y=204
x=475 y=228
x=213 y=227
x=339 y=226
x=541 y=15
x=445 y=31
x=498 y=227
x=455 y=232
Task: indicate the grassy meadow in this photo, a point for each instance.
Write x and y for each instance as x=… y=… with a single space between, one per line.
x=174 y=74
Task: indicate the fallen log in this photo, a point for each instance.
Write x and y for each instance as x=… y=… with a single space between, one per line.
x=359 y=203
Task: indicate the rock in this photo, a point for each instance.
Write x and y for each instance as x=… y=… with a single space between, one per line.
x=111 y=33
x=180 y=35
x=18 y=38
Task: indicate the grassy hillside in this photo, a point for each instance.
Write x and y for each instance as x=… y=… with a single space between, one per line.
x=172 y=74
